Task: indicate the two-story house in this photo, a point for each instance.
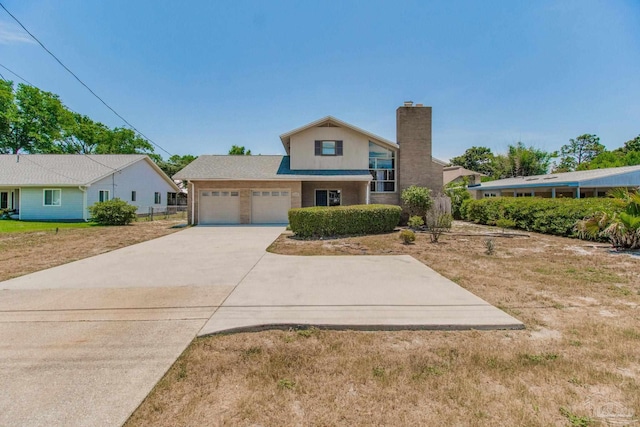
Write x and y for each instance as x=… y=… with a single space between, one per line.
x=328 y=163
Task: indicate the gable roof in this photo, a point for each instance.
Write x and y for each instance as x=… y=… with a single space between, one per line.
x=451 y=173
x=260 y=168
x=568 y=179
x=286 y=137
x=31 y=170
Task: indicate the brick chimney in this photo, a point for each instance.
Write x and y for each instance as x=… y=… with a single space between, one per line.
x=413 y=135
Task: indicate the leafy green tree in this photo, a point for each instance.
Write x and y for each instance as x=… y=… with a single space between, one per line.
x=612 y=159
x=236 y=150
x=174 y=164
x=458 y=193
x=82 y=135
x=580 y=150
x=631 y=145
x=478 y=159
x=31 y=120
x=521 y=160
x=123 y=141
x=8 y=113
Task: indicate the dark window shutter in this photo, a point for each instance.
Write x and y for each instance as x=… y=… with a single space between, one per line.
x=338 y=148
x=318 y=148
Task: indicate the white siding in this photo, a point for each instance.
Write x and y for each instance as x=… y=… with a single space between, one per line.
x=32 y=204
x=355 y=149
x=139 y=177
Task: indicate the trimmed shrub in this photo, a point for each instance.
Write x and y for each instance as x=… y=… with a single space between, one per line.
x=343 y=220
x=550 y=216
x=417 y=200
x=407 y=236
x=415 y=222
x=112 y=212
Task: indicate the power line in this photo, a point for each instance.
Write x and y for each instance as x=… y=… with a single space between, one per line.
x=83 y=83
x=17 y=75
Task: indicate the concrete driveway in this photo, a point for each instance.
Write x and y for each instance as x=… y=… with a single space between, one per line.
x=82 y=344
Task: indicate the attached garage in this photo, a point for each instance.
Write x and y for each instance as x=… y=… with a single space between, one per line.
x=219 y=207
x=270 y=206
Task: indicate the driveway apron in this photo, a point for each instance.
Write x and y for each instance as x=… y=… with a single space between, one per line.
x=83 y=344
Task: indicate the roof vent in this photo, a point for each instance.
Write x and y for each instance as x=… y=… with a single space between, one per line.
x=419 y=105
x=408 y=103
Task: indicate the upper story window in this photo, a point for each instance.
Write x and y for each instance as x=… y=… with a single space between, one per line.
x=328 y=148
x=382 y=166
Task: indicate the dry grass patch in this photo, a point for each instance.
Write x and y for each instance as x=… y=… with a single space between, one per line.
x=576 y=364
x=26 y=252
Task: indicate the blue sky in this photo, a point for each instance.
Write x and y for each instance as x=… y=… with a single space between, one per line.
x=199 y=76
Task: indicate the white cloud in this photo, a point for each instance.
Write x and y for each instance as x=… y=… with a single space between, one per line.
x=12 y=34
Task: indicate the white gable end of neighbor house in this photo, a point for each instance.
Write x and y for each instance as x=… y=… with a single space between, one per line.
x=139 y=177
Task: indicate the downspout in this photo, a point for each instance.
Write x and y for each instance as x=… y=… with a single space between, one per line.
x=193 y=203
x=84 y=202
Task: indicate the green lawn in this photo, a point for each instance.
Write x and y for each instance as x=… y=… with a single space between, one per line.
x=13 y=226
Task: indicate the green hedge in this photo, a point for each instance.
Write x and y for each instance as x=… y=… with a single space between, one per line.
x=343 y=220
x=550 y=216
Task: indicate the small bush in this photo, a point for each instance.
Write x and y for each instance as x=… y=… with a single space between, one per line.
x=344 y=220
x=490 y=246
x=417 y=200
x=415 y=222
x=458 y=195
x=550 y=216
x=112 y=212
x=407 y=236
x=437 y=223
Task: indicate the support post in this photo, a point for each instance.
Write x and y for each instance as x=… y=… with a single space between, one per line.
x=553 y=193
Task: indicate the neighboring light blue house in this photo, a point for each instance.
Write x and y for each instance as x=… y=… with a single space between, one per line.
x=62 y=186
x=579 y=184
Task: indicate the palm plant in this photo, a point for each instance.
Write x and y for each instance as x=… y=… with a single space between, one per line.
x=622 y=229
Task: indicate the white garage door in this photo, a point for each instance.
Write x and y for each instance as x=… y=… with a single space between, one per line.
x=270 y=206
x=219 y=207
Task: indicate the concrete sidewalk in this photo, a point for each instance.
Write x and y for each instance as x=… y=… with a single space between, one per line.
x=352 y=292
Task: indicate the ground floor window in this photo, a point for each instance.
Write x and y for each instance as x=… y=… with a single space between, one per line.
x=52 y=197
x=172 y=199
x=103 y=195
x=157 y=198
x=4 y=200
x=133 y=196
x=328 y=198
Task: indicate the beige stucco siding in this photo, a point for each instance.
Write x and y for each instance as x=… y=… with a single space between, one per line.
x=352 y=193
x=244 y=187
x=355 y=149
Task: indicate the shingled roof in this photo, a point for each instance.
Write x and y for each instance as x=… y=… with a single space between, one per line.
x=25 y=170
x=625 y=176
x=260 y=168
